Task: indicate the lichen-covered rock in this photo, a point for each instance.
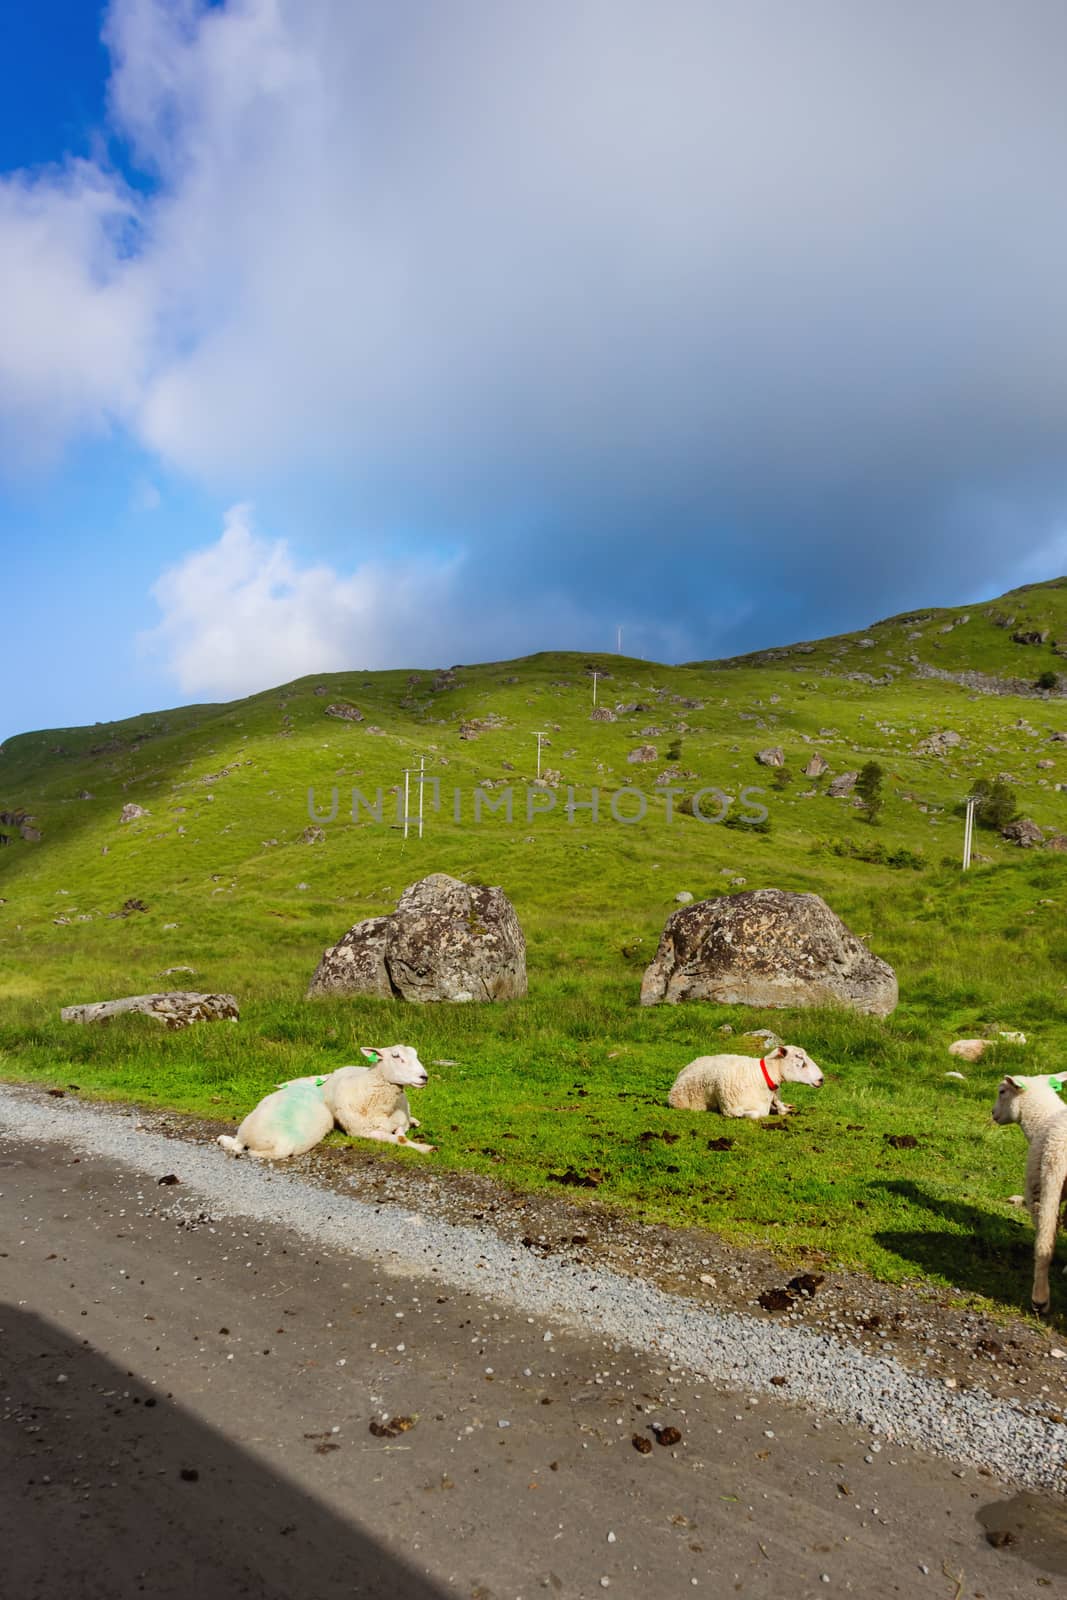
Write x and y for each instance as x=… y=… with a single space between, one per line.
x=178 y=1009
x=356 y=964
x=344 y=712
x=131 y=811
x=602 y=714
x=842 y=785
x=643 y=752
x=816 y=766
x=773 y=757
x=446 y=940
x=768 y=948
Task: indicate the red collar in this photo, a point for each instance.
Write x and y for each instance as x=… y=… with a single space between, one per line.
x=768 y=1080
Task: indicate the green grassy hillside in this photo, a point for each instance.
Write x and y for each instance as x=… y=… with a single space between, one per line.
x=233 y=890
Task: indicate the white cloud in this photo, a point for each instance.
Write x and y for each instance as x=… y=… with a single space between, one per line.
x=241 y=614
x=74 y=310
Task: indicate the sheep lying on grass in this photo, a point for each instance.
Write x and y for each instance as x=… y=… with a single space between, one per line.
x=286 y=1123
x=742 y=1086
x=370 y=1103
x=1036 y=1105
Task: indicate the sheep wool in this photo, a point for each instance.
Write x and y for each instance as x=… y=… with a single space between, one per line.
x=742 y=1086
x=1034 y=1103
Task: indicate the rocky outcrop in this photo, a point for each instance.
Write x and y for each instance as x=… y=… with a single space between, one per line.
x=602 y=714
x=344 y=712
x=842 y=785
x=131 y=811
x=766 y=947
x=446 y=940
x=816 y=766
x=1023 y=832
x=178 y=1009
x=774 y=757
x=643 y=752
x=938 y=744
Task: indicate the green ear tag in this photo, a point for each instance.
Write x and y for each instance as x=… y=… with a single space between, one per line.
x=1056 y=1082
x=319 y=1082
x=373 y=1055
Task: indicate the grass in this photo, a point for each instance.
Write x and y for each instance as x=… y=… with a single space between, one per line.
x=575 y=1077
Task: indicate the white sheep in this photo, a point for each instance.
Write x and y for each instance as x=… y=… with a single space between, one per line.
x=1035 y=1104
x=742 y=1086
x=286 y=1123
x=370 y=1103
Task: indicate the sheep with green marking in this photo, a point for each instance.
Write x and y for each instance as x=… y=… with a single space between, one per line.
x=1034 y=1103
x=369 y=1102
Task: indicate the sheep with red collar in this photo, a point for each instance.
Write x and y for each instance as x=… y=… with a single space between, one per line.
x=743 y=1086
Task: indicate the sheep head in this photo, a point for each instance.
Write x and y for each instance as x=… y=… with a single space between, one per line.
x=1008 y=1106
x=796 y=1066
x=399 y=1064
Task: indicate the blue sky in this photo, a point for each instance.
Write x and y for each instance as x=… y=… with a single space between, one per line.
x=336 y=335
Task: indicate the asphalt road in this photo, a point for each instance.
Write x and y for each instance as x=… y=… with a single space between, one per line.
x=186 y=1409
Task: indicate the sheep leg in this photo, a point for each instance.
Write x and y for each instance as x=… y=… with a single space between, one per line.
x=780 y=1108
x=392 y=1136
x=1046 y=1220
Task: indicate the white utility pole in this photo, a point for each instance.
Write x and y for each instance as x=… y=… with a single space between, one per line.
x=968 y=832
x=618 y=639
x=407 y=791
x=595 y=677
x=422 y=785
x=540 y=736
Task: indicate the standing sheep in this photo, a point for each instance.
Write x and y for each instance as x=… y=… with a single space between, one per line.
x=370 y=1103
x=742 y=1086
x=1035 y=1104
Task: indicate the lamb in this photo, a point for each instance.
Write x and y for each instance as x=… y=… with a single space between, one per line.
x=370 y=1103
x=742 y=1086
x=286 y=1123
x=1035 y=1104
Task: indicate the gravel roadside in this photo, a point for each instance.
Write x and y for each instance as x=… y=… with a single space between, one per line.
x=1018 y=1433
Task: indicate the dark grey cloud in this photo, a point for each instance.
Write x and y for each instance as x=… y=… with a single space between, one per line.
x=729 y=320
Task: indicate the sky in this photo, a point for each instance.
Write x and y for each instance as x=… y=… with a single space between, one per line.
x=340 y=335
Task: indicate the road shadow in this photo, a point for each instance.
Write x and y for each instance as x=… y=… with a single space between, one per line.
x=109 y=1490
x=991 y=1255
x=1030 y=1528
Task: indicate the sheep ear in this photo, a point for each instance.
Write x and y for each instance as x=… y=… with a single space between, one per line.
x=371 y=1055
x=782 y=1050
x=1017 y=1083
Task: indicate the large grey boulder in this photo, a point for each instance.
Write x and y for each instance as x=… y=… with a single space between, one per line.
x=179 y=1008
x=842 y=785
x=446 y=940
x=766 y=947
